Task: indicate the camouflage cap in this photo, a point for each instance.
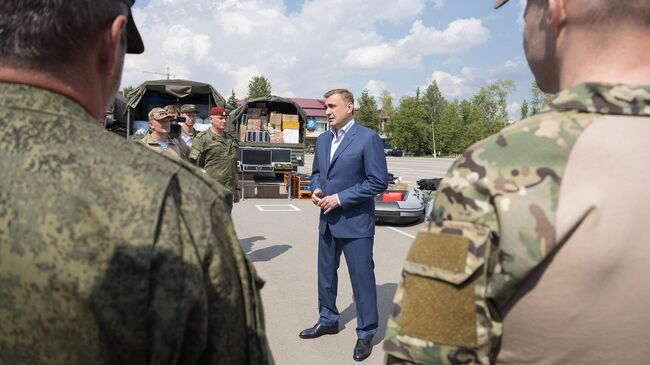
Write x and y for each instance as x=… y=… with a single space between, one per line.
x=134 y=42
x=500 y=3
x=158 y=114
x=188 y=108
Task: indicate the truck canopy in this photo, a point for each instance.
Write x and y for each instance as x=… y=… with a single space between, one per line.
x=275 y=103
x=278 y=105
x=158 y=93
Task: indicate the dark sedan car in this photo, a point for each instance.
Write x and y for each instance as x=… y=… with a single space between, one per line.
x=395 y=152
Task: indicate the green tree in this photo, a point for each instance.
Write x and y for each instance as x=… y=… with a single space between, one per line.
x=386 y=100
x=408 y=127
x=258 y=86
x=126 y=91
x=433 y=103
x=524 y=110
x=493 y=100
x=367 y=114
x=450 y=130
x=539 y=100
x=231 y=103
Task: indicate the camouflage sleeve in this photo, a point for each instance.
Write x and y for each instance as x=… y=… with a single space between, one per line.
x=491 y=225
x=196 y=153
x=190 y=298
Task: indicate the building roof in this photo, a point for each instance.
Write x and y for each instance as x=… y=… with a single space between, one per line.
x=312 y=107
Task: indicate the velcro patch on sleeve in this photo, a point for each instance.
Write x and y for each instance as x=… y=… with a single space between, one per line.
x=436 y=310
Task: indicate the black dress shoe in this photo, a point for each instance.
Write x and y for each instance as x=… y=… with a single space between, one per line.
x=362 y=349
x=319 y=330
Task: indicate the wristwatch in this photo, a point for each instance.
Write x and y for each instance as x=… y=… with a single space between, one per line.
x=238 y=189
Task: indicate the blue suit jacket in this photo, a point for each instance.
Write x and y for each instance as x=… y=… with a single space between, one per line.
x=357 y=173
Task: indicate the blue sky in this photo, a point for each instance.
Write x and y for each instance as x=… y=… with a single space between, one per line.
x=308 y=47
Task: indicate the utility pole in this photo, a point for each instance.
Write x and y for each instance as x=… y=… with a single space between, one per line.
x=433 y=134
x=167 y=74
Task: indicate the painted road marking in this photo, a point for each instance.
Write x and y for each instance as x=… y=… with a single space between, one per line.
x=278 y=208
x=402 y=232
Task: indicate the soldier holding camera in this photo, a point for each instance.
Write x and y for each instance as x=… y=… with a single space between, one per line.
x=175 y=130
x=159 y=139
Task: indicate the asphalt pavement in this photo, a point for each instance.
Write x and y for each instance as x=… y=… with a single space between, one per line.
x=280 y=237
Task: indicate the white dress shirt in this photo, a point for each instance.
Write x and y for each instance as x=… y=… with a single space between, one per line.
x=336 y=141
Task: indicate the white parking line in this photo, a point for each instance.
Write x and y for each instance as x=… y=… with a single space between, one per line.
x=402 y=232
x=278 y=208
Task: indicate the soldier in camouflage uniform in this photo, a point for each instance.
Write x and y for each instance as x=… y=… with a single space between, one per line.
x=216 y=151
x=109 y=253
x=158 y=138
x=537 y=250
x=188 y=132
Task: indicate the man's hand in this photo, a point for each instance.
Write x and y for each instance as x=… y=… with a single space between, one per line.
x=329 y=203
x=236 y=195
x=316 y=196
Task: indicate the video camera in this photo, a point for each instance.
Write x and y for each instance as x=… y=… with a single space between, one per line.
x=179 y=119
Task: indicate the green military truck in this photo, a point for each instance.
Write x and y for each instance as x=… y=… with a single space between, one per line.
x=271 y=131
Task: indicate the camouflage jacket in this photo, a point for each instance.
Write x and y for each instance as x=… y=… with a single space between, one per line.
x=173 y=150
x=217 y=154
x=113 y=254
x=492 y=224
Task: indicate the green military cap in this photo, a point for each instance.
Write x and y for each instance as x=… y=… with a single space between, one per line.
x=134 y=42
x=189 y=108
x=499 y=3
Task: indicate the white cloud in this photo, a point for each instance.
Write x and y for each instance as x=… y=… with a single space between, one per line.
x=316 y=46
x=469 y=80
x=241 y=76
x=459 y=36
x=225 y=42
x=514 y=110
x=372 y=56
x=375 y=88
x=181 y=40
x=451 y=86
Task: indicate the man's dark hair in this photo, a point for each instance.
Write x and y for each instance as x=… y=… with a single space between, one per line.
x=46 y=34
x=345 y=94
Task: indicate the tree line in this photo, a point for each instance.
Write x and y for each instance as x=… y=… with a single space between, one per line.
x=428 y=123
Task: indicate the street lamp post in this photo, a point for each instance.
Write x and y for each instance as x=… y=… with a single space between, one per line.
x=433 y=137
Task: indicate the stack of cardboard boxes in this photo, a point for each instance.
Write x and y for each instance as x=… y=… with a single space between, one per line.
x=258 y=125
x=253 y=127
x=275 y=128
x=291 y=128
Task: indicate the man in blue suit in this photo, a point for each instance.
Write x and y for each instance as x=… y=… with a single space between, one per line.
x=349 y=169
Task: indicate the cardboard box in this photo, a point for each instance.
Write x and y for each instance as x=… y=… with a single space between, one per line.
x=277 y=137
x=289 y=117
x=291 y=125
x=254 y=125
x=254 y=113
x=270 y=191
x=275 y=118
x=291 y=136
